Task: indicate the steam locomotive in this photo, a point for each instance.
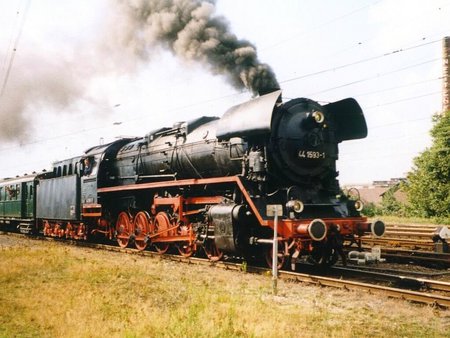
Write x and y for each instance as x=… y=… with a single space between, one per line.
x=212 y=185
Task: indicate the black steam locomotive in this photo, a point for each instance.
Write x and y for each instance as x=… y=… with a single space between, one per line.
x=214 y=184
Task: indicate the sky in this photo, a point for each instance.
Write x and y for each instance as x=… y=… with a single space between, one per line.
x=71 y=77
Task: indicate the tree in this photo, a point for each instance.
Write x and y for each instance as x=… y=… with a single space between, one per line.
x=429 y=181
x=389 y=204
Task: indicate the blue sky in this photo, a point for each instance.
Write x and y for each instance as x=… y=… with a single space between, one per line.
x=386 y=54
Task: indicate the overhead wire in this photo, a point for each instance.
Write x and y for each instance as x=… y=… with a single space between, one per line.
x=129 y=120
x=375 y=76
x=401 y=50
x=235 y=94
x=403 y=100
x=398 y=87
x=8 y=50
x=320 y=25
x=285 y=81
x=14 y=50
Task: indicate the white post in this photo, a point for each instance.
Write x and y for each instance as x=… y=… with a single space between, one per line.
x=275 y=255
x=274 y=210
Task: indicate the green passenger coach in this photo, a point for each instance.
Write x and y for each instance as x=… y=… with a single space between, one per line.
x=17 y=202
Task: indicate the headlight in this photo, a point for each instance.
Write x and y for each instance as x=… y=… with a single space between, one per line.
x=295 y=206
x=318 y=116
x=359 y=205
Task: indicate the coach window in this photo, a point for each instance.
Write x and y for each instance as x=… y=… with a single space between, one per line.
x=64 y=170
x=31 y=192
x=11 y=193
x=70 y=169
x=1 y=193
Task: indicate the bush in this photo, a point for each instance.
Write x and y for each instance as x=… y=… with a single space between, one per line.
x=371 y=210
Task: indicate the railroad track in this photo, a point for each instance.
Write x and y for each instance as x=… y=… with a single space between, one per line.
x=401 y=255
x=441 y=299
x=402 y=293
x=417 y=256
x=412 y=237
x=404 y=281
x=414 y=296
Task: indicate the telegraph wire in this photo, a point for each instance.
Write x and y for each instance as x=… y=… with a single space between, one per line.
x=398 y=87
x=129 y=120
x=374 y=77
x=16 y=44
x=364 y=42
x=10 y=43
x=404 y=99
x=321 y=25
x=399 y=122
x=236 y=94
x=397 y=51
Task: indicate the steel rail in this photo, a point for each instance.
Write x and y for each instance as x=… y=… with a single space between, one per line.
x=415 y=296
x=413 y=282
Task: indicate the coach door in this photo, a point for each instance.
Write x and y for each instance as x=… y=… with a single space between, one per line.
x=27 y=199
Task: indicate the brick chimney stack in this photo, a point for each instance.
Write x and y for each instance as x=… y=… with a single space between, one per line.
x=446 y=74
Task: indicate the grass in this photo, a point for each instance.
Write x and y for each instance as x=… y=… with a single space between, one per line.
x=51 y=290
x=411 y=220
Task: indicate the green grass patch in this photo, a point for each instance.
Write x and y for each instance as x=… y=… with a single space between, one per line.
x=51 y=290
x=412 y=220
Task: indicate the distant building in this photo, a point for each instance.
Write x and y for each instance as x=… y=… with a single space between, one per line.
x=373 y=193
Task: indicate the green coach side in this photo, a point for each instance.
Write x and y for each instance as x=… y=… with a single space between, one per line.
x=17 y=201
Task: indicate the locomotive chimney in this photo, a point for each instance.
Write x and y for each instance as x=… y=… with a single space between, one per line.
x=265 y=91
x=446 y=74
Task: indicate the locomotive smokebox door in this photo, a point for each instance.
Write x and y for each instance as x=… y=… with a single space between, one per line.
x=223 y=217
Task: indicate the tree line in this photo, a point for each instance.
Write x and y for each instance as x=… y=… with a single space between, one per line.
x=427 y=185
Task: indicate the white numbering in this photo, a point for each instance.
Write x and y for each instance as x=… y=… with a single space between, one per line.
x=311 y=154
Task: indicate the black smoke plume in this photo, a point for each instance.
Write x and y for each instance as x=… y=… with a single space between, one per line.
x=190 y=30
x=42 y=81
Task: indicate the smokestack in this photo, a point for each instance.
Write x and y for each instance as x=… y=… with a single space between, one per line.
x=446 y=75
x=190 y=30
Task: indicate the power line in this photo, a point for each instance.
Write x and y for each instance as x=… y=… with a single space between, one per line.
x=374 y=77
x=220 y=98
x=10 y=43
x=321 y=25
x=16 y=43
x=323 y=71
x=404 y=99
x=398 y=87
x=137 y=118
x=239 y=93
x=400 y=122
x=397 y=51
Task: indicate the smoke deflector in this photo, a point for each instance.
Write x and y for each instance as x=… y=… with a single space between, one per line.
x=249 y=118
x=349 y=119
